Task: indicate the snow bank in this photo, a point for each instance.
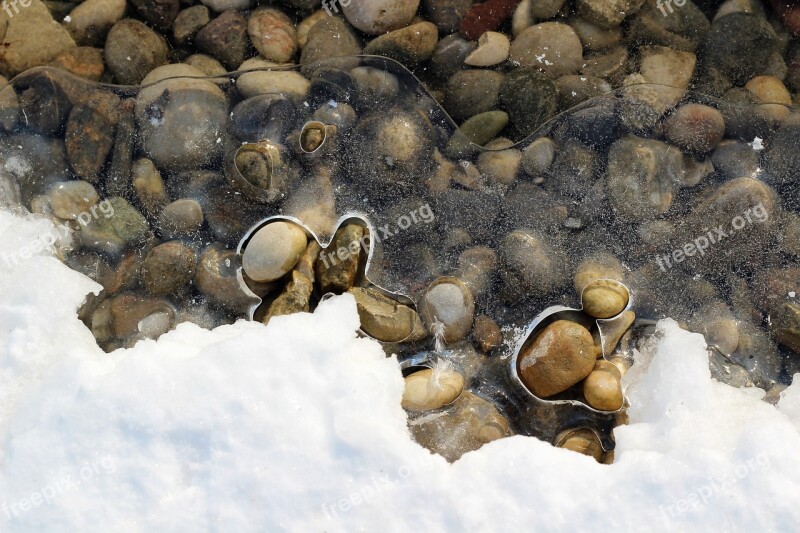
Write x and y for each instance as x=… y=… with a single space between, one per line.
x=297 y=426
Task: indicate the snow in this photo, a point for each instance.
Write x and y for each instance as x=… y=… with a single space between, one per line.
x=271 y=428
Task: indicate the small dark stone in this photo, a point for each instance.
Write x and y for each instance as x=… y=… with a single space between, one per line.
x=263 y=117
x=530 y=98
x=189 y=22
x=226 y=39
x=88 y=139
x=158 y=13
x=739 y=44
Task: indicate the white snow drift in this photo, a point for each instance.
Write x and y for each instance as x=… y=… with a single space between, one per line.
x=297 y=426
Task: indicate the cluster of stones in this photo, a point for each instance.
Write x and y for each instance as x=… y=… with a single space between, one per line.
x=688 y=198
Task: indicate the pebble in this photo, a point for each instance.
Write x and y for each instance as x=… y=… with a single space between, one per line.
x=159 y=14
x=471 y=92
x=410 y=45
x=493 y=49
x=602 y=389
x=446 y=14
x=486 y=16
x=90 y=21
x=32 y=38
x=294 y=298
x=224 y=5
x=432 y=388
x=695 y=128
x=597 y=266
x=380 y=16
x=168 y=269
x=9 y=105
x=671 y=68
x=148 y=186
x=681 y=29
x=531 y=265
x=747 y=245
x=560 y=356
x=785 y=325
x=385 y=319
x=552 y=47
x=477 y=267
x=640 y=106
x=327 y=39
x=593 y=37
x=181 y=218
x=608 y=13
x=499 y=165
x=546 y=9
x=537 y=157
x=120 y=315
x=448 y=304
x=132 y=50
x=522 y=18
x=487 y=333
x=465 y=426
x=273 y=34
x=739 y=45
x=188 y=22
x=180 y=120
x=338 y=265
x=90 y=135
x=273 y=251
x=612 y=65
x=583 y=441
x=604 y=298
x=111 y=233
x=206 y=65
x=306 y=24
x=529 y=98
x=574 y=89
x=716 y=322
x=642 y=174
x=83 y=61
x=225 y=38
x=289 y=83
x=70 y=199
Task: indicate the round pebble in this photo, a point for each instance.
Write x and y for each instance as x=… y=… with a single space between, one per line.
x=273 y=251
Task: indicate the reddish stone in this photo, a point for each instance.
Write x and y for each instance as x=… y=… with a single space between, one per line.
x=486 y=17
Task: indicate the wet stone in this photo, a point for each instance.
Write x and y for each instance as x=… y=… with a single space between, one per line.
x=225 y=38
x=409 y=46
x=188 y=22
x=487 y=333
x=602 y=389
x=89 y=138
x=446 y=14
x=432 y=388
x=739 y=45
x=560 y=356
x=169 y=269
x=272 y=34
x=338 y=265
x=471 y=92
x=532 y=265
x=330 y=38
x=380 y=16
x=91 y=20
x=294 y=298
x=83 y=61
x=273 y=251
x=551 y=47
x=447 y=307
x=449 y=55
x=695 y=128
x=608 y=13
x=132 y=50
x=466 y=425
x=529 y=98
x=118 y=227
x=642 y=174
x=181 y=218
x=385 y=319
x=785 y=325
x=70 y=199
x=160 y=14
x=148 y=186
